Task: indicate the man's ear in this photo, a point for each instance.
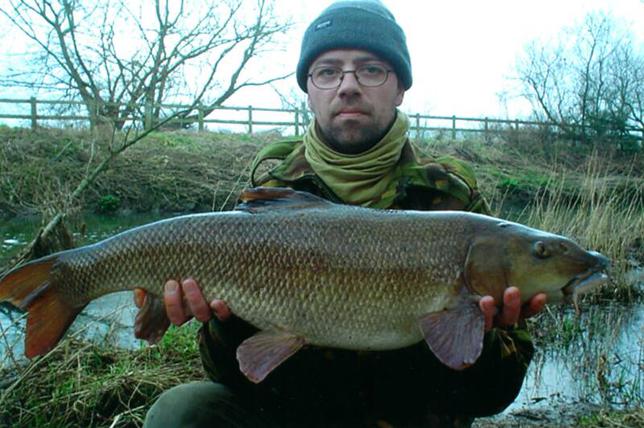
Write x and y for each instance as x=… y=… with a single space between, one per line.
x=401 y=95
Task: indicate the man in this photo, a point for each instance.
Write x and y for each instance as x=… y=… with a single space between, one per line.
x=355 y=68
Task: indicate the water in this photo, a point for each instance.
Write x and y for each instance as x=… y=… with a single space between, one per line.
x=597 y=359
x=600 y=363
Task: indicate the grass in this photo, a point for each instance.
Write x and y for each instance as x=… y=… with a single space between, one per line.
x=171 y=172
x=86 y=384
x=613 y=419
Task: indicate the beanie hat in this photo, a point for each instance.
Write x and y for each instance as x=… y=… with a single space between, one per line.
x=356 y=24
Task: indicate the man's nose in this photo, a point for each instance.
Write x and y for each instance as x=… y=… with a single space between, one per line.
x=349 y=85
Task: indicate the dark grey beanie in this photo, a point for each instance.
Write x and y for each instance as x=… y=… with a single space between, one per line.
x=356 y=24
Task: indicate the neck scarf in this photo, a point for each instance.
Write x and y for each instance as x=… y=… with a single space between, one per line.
x=365 y=178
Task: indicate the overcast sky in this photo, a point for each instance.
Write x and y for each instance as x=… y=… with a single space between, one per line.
x=463 y=52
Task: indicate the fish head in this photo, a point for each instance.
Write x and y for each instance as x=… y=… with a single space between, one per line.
x=509 y=254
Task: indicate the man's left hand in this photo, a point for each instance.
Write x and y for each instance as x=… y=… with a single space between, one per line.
x=511 y=311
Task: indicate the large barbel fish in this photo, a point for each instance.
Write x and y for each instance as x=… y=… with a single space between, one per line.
x=307 y=271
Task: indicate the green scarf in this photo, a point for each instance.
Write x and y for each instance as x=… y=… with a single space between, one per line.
x=367 y=179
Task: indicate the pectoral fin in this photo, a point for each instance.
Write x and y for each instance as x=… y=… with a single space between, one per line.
x=151 y=321
x=455 y=335
x=262 y=353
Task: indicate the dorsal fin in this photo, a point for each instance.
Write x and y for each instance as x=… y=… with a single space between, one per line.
x=258 y=199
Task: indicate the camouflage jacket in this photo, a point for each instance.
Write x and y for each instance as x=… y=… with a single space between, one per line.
x=408 y=386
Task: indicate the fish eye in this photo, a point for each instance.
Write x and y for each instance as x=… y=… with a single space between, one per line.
x=540 y=250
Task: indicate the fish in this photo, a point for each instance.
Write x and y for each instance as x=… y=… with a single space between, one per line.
x=309 y=272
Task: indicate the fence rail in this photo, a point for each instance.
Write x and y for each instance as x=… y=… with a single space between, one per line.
x=251 y=118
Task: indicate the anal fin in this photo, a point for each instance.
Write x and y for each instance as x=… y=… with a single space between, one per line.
x=261 y=353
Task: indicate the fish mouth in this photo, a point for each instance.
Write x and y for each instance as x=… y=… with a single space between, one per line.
x=584 y=283
x=589 y=280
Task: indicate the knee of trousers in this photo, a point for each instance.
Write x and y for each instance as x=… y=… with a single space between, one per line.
x=198 y=404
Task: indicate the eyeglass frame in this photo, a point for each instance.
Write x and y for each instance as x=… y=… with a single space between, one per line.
x=344 y=72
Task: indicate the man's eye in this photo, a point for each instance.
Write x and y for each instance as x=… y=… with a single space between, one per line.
x=372 y=70
x=326 y=72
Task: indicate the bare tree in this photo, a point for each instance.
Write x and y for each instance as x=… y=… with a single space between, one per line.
x=116 y=59
x=122 y=59
x=589 y=82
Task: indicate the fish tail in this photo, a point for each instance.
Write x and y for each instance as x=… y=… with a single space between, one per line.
x=32 y=288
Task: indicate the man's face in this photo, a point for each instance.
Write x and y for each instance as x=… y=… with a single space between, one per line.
x=352 y=117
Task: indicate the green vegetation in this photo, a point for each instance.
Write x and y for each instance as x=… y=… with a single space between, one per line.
x=108 y=204
x=613 y=419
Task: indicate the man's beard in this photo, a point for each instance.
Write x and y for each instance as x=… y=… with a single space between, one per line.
x=352 y=140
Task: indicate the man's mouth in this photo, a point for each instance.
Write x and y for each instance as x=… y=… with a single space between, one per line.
x=351 y=113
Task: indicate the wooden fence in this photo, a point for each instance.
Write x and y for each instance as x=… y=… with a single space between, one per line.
x=251 y=118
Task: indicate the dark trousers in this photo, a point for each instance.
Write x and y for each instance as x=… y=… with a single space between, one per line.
x=203 y=404
x=210 y=404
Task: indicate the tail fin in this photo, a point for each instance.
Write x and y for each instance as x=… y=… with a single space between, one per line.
x=30 y=288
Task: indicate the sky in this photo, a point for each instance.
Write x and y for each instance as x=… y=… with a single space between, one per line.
x=463 y=52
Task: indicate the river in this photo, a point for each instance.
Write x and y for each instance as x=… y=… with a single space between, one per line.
x=596 y=359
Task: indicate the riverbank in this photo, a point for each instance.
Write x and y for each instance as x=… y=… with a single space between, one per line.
x=204 y=171
x=594 y=197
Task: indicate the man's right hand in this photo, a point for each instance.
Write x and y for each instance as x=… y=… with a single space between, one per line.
x=184 y=300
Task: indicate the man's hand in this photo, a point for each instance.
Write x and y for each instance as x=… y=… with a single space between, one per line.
x=184 y=301
x=511 y=312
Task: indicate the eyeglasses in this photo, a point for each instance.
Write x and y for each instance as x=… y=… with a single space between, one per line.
x=328 y=77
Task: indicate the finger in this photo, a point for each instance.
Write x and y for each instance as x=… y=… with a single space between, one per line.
x=196 y=302
x=139 y=297
x=173 y=301
x=534 y=306
x=511 y=307
x=221 y=309
x=489 y=310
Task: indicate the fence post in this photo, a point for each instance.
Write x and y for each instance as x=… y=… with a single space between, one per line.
x=200 y=116
x=297 y=121
x=486 y=128
x=34 y=113
x=516 y=124
x=305 y=117
x=250 y=119
x=418 y=126
x=453 y=127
